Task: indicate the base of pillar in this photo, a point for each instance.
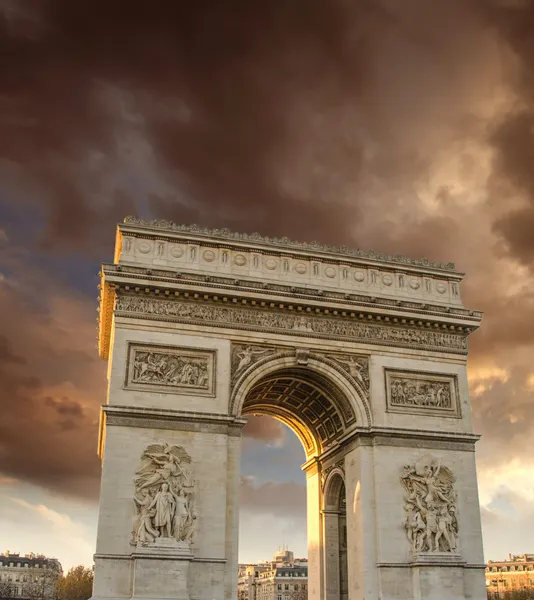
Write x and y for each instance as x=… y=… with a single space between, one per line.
x=161 y=570
x=437 y=559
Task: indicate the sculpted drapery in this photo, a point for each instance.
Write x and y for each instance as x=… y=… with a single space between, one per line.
x=164 y=496
x=430 y=506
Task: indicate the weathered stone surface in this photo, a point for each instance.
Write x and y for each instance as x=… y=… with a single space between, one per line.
x=363 y=355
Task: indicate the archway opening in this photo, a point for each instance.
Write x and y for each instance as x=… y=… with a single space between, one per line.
x=335 y=539
x=315 y=409
x=273 y=512
x=306 y=401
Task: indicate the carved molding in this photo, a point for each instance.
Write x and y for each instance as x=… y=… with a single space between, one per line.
x=164 y=498
x=226 y=234
x=422 y=393
x=291 y=289
x=257 y=319
x=340 y=464
x=130 y=416
x=170 y=369
x=430 y=507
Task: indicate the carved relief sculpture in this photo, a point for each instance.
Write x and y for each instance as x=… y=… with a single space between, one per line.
x=408 y=392
x=245 y=355
x=422 y=393
x=179 y=369
x=164 y=497
x=430 y=507
x=357 y=368
x=244 y=318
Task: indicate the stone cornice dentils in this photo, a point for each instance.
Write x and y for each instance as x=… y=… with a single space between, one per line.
x=156 y=286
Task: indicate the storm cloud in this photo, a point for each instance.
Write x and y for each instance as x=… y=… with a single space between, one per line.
x=406 y=127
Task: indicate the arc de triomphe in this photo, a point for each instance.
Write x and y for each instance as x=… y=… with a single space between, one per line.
x=362 y=355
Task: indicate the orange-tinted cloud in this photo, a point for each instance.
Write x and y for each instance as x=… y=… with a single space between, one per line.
x=404 y=127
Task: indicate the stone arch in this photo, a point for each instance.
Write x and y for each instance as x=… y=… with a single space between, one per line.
x=346 y=400
x=334 y=515
x=334 y=482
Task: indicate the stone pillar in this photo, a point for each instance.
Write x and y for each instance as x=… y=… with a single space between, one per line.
x=207 y=567
x=361 y=534
x=331 y=554
x=315 y=534
x=161 y=572
x=232 y=516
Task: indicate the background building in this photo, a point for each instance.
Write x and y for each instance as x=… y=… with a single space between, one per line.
x=32 y=576
x=516 y=573
x=283 y=578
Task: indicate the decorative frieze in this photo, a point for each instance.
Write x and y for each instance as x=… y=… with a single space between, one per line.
x=422 y=393
x=279 y=322
x=164 y=498
x=170 y=369
x=430 y=506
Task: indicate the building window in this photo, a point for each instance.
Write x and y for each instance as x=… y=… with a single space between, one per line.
x=296 y=586
x=287 y=587
x=279 y=586
x=279 y=596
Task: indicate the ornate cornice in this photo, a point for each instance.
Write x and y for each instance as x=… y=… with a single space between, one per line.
x=284 y=242
x=297 y=293
x=153 y=418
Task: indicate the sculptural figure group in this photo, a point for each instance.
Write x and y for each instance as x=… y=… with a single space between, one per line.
x=430 y=507
x=164 y=496
x=169 y=369
x=409 y=392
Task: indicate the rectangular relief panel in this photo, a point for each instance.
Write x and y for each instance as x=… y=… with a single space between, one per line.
x=170 y=369
x=422 y=393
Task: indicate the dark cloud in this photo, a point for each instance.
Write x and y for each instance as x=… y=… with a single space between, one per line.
x=52 y=385
x=236 y=112
x=400 y=126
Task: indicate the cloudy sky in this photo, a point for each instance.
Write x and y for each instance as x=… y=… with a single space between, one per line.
x=402 y=126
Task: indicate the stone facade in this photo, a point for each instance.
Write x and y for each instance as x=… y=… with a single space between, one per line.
x=284 y=578
x=511 y=575
x=362 y=355
x=32 y=577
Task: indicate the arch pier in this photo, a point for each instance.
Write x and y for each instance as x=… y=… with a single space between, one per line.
x=362 y=355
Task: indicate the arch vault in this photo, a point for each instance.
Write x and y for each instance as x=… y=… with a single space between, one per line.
x=362 y=355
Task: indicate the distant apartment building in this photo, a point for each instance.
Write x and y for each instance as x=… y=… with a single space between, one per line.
x=516 y=573
x=283 y=578
x=32 y=576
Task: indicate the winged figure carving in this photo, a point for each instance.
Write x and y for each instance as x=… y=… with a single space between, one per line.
x=430 y=506
x=164 y=496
